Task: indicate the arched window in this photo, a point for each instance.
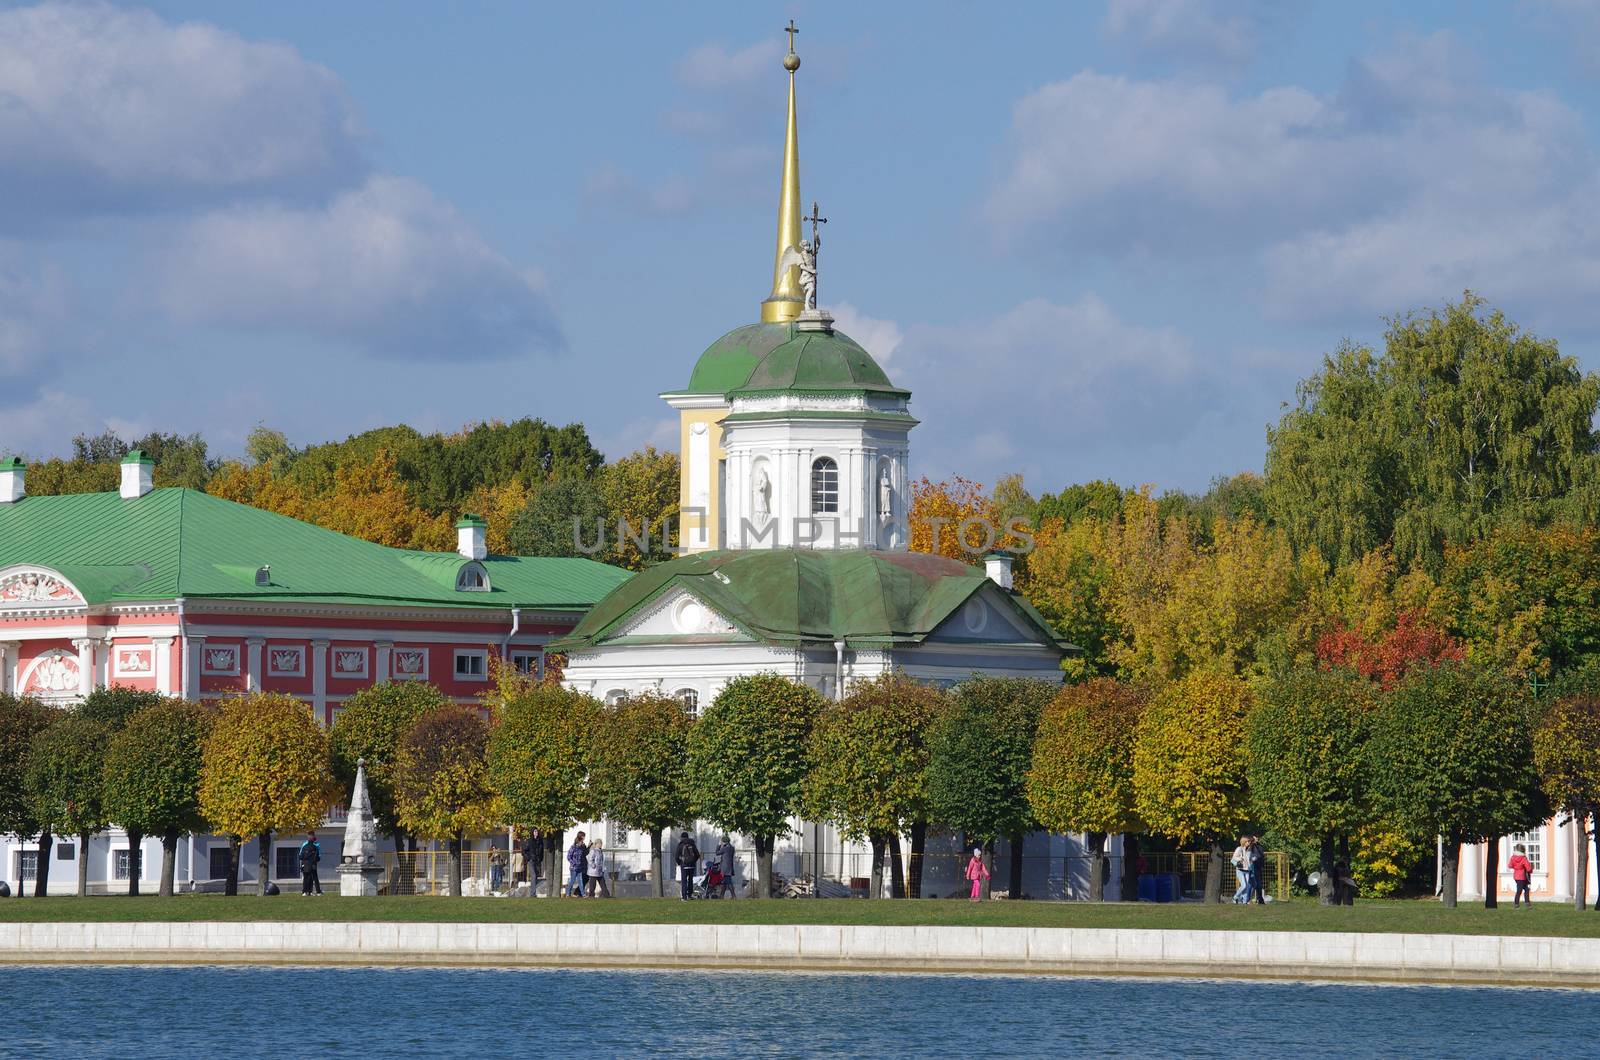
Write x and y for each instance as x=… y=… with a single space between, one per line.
x=824 y=486
x=615 y=696
x=690 y=700
x=472 y=578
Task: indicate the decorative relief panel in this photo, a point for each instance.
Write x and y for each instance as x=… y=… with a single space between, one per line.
x=55 y=673
x=35 y=587
x=220 y=660
x=136 y=660
x=409 y=664
x=286 y=660
x=348 y=664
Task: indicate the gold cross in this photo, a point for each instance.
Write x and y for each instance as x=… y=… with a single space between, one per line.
x=791 y=31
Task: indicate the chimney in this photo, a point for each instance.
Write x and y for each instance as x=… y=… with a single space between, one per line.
x=11 y=485
x=997 y=566
x=470 y=531
x=138 y=472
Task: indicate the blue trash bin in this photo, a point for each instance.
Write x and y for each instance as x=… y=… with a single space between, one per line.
x=1147 y=887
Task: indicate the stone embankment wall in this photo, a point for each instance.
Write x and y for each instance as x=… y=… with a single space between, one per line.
x=1078 y=951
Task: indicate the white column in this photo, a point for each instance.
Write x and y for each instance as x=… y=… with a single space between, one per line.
x=9 y=670
x=319 y=678
x=252 y=656
x=162 y=661
x=380 y=670
x=1561 y=851
x=105 y=669
x=1469 y=877
x=86 y=653
x=192 y=649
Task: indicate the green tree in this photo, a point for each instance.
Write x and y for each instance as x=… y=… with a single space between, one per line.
x=1189 y=765
x=869 y=754
x=113 y=705
x=443 y=789
x=1307 y=765
x=636 y=774
x=748 y=756
x=64 y=779
x=641 y=491
x=265 y=769
x=1451 y=756
x=1099 y=500
x=1465 y=422
x=978 y=762
x=152 y=780
x=371 y=726
x=567 y=517
x=1070 y=577
x=538 y=757
x=22 y=719
x=1566 y=753
x=1081 y=778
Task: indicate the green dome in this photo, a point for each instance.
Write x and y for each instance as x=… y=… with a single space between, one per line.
x=761 y=358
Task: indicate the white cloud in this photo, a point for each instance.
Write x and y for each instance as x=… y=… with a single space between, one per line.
x=387 y=266
x=1207 y=30
x=104 y=108
x=878 y=337
x=716 y=68
x=1414 y=179
x=41 y=423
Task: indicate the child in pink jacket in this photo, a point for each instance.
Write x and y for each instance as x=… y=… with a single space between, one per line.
x=1522 y=874
x=977 y=872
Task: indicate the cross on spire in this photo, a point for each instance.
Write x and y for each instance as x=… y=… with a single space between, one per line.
x=791 y=31
x=816 y=240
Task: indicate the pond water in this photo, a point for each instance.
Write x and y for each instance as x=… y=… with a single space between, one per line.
x=211 y=1011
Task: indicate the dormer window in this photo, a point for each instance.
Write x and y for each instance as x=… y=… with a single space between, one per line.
x=263 y=577
x=824 y=486
x=472 y=578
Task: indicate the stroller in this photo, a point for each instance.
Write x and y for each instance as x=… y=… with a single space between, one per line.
x=710 y=883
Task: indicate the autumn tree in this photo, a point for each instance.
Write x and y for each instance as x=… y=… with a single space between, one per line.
x=115 y=705
x=641 y=491
x=566 y=517
x=538 y=756
x=1070 y=578
x=954 y=519
x=152 y=780
x=636 y=774
x=1081 y=778
x=979 y=757
x=370 y=726
x=1307 y=762
x=1566 y=753
x=64 y=781
x=443 y=789
x=1450 y=755
x=1189 y=765
x=22 y=719
x=1388 y=656
x=264 y=769
x=869 y=754
x=748 y=756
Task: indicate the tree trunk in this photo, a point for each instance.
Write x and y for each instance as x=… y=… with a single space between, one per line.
x=1347 y=893
x=263 y=862
x=555 y=873
x=1327 y=879
x=1491 y=873
x=1597 y=859
x=1097 y=866
x=135 y=869
x=41 y=871
x=455 y=865
x=1014 y=883
x=879 y=845
x=83 y=864
x=1448 y=864
x=763 y=888
x=1130 y=867
x=1213 y=895
x=169 y=861
x=230 y=886
x=988 y=877
x=1580 y=883
x=897 y=874
x=660 y=885
x=919 y=844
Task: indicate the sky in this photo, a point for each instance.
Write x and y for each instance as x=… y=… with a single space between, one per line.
x=1095 y=240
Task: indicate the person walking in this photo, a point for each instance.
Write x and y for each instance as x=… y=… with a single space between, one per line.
x=577 y=860
x=977 y=872
x=309 y=857
x=1241 y=870
x=1522 y=875
x=533 y=859
x=497 y=869
x=1258 y=858
x=687 y=858
x=725 y=861
x=595 y=870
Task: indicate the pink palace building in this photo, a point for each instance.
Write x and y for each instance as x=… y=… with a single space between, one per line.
x=191 y=595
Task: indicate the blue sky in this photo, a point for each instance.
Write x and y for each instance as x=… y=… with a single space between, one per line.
x=1094 y=239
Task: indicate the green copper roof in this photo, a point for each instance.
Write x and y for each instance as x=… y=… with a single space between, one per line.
x=766 y=358
x=176 y=542
x=794 y=596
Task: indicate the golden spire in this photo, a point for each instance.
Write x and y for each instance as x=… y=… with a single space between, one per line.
x=787 y=301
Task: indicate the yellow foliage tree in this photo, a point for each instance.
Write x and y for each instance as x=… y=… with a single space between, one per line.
x=641 y=489
x=1069 y=577
x=370 y=501
x=1189 y=760
x=953 y=518
x=266 y=769
x=443 y=789
x=499 y=505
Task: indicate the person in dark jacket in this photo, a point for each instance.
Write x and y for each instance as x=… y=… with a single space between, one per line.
x=687 y=858
x=725 y=861
x=1258 y=860
x=309 y=857
x=577 y=862
x=533 y=858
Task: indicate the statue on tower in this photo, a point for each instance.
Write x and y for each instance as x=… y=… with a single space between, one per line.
x=804 y=258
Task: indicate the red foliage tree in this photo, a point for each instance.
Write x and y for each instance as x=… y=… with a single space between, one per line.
x=1388 y=657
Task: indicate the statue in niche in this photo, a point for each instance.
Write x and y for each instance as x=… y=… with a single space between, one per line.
x=761 y=498
x=885 y=495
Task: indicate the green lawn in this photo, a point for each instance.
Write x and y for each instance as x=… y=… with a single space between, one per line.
x=1300 y=915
